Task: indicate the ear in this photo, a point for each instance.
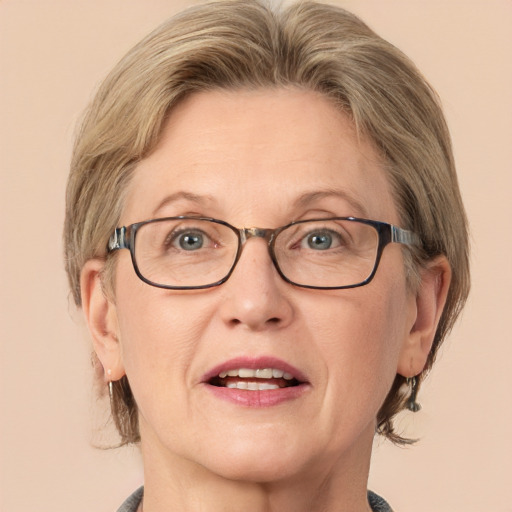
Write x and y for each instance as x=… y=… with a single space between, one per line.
x=101 y=316
x=429 y=304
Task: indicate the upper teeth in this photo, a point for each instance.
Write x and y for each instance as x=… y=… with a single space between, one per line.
x=264 y=373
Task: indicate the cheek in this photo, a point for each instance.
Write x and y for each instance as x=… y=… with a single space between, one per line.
x=159 y=332
x=359 y=335
x=365 y=325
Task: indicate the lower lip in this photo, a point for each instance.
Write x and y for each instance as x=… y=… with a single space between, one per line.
x=258 y=398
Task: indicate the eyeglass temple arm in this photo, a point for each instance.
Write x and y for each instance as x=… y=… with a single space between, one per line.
x=403 y=236
x=117 y=240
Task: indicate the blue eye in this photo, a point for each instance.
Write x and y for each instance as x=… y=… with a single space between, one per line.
x=190 y=241
x=319 y=241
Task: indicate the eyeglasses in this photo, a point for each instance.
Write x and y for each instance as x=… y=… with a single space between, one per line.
x=187 y=253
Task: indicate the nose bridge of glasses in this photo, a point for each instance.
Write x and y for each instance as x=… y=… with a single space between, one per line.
x=247 y=233
x=266 y=234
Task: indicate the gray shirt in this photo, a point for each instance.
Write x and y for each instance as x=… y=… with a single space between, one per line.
x=130 y=505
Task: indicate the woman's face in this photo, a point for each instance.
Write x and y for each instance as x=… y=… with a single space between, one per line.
x=261 y=159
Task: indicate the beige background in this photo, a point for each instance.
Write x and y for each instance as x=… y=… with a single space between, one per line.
x=53 y=54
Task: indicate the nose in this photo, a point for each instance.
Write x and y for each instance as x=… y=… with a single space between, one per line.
x=255 y=296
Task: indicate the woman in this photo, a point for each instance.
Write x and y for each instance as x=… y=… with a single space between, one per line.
x=296 y=250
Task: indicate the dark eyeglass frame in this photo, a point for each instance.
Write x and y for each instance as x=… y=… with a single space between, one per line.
x=124 y=238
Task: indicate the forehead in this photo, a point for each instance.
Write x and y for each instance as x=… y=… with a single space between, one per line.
x=259 y=156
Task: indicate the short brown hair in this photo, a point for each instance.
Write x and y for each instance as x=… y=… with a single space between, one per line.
x=233 y=44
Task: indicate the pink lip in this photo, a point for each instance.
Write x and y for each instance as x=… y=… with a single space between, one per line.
x=256 y=399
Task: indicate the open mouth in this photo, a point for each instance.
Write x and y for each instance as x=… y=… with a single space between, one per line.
x=260 y=379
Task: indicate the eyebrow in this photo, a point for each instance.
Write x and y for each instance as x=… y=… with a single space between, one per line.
x=303 y=201
x=189 y=196
x=311 y=197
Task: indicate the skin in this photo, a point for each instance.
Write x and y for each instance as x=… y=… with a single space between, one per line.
x=250 y=155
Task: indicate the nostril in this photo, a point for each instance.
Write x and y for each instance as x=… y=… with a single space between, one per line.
x=271 y=321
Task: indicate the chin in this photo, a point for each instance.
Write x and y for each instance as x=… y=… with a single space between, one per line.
x=256 y=459
x=254 y=470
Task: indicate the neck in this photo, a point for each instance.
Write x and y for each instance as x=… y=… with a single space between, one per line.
x=337 y=484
